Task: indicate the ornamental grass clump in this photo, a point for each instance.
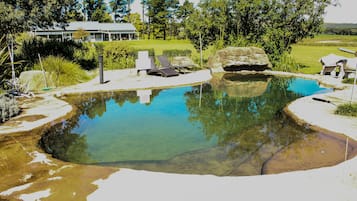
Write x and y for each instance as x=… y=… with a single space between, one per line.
x=8 y=107
x=63 y=72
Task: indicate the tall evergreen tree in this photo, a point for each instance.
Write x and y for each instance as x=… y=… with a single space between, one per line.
x=185 y=10
x=76 y=13
x=96 y=10
x=144 y=5
x=161 y=14
x=119 y=9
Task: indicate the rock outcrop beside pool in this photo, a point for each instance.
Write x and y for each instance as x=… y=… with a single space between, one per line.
x=240 y=58
x=183 y=61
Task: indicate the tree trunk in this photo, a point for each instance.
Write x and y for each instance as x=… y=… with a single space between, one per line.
x=165 y=32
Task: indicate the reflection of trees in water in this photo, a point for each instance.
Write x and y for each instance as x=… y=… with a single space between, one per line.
x=94 y=105
x=65 y=145
x=243 y=124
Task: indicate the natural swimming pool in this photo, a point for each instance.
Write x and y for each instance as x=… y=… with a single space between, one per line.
x=233 y=125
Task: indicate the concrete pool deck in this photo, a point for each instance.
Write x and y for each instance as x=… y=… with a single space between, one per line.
x=335 y=183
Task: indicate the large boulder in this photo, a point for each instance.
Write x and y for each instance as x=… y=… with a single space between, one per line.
x=183 y=61
x=240 y=58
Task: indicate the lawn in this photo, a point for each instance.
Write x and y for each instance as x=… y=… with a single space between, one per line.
x=308 y=52
x=308 y=56
x=160 y=45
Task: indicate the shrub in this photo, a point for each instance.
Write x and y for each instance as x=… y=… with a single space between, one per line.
x=286 y=63
x=118 y=56
x=82 y=53
x=349 y=80
x=30 y=49
x=176 y=52
x=63 y=72
x=86 y=56
x=347 y=110
x=8 y=107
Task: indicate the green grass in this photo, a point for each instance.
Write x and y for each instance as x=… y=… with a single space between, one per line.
x=160 y=45
x=349 y=80
x=308 y=52
x=308 y=56
x=347 y=110
x=331 y=40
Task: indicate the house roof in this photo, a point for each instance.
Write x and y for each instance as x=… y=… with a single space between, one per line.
x=94 y=26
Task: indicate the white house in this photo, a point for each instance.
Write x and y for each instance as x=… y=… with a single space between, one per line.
x=98 y=31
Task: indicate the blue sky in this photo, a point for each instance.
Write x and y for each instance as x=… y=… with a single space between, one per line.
x=346 y=12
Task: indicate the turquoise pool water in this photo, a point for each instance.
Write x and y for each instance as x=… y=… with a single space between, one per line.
x=231 y=126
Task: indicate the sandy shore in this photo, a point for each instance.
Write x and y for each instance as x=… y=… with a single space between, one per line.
x=329 y=184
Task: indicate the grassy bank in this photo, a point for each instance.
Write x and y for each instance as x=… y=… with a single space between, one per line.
x=308 y=52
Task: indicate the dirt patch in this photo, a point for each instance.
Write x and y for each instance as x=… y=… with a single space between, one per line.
x=320 y=151
x=27 y=102
x=30 y=118
x=66 y=181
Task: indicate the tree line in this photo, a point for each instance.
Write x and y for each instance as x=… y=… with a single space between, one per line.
x=273 y=25
x=340 y=29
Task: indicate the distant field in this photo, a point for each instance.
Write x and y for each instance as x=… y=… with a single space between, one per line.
x=330 y=40
x=308 y=52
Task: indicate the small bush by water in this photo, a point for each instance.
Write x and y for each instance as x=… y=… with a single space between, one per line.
x=347 y=110
x=63 y=72
x=286 y=63
x=348 y=80
x=8 y=107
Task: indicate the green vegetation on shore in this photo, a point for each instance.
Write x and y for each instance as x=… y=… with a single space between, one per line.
x=347 y=110
x=63 y=72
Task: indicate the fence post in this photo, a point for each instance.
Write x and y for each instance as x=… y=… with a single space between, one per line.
x=101 y=74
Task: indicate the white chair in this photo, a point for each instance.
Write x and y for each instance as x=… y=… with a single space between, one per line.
x=142 y=63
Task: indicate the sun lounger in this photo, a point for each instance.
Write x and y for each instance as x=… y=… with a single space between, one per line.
x=348 y=67
x=330 y=63
x=165 y=63
x=165 y=72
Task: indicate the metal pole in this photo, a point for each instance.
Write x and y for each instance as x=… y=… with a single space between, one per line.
x=354 y=84
x=101 y=74
x=12 y=60
x=346 y=150
x=199 y=104
x=200 y=49
x=43 y=70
